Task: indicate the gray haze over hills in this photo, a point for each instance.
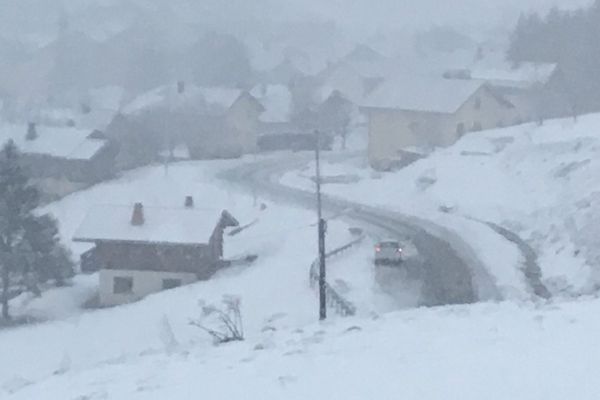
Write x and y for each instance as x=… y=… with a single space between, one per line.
x=38 y=17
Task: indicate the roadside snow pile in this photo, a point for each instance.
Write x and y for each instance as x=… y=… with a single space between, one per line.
x=482 y=351
x=539 y=182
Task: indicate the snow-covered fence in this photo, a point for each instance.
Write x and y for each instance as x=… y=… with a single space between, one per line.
x=341 y=305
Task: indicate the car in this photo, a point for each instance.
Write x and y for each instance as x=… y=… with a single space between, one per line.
x=388 y=252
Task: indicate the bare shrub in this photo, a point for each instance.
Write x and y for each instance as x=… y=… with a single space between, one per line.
x=226 y=319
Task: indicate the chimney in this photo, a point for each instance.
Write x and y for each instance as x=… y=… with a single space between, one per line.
x=189 y=202
x=137 y=218
x=31 y=132
x=180 y=87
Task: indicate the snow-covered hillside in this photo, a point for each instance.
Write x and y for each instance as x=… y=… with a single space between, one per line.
x=539 y=182
x=486 y=351
x=273 y=290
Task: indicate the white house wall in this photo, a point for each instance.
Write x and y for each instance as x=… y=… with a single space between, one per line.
x=391 y=131
x=490 y=114
x=144 y=283
x=243 y=117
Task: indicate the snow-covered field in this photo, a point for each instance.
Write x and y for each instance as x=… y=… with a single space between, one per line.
x=539 y=182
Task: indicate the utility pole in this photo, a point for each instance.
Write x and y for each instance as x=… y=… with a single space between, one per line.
x=322 y=226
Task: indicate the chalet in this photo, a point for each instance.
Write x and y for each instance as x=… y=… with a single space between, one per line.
x=210 y=122
x=416 y=112
x=61 y=159
x=142 y=250
x=537 y=90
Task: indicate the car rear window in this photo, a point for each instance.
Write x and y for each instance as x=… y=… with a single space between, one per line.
x=390 y=244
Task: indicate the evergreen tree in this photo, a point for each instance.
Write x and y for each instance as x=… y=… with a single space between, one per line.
x=44 y=258
x=31 y=132
x=334 y=116
x=569 y=39
x=29 y=249
x=17 y=201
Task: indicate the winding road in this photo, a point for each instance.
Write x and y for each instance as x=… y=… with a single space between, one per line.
x=451 y=272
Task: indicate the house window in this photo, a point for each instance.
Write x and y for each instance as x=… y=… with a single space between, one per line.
x=478 y=103
x=460 y=129
x=122 y=284
x=476 y=126
x=170 y=283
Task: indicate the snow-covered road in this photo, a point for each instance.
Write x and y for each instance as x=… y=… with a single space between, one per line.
x=452 y=274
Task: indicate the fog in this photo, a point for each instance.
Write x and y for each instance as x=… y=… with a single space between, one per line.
x=29 y=16
x=193 y=186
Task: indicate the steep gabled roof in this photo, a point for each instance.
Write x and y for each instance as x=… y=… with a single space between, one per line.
x=412 y=93
x=177 y=226
x=167 y=97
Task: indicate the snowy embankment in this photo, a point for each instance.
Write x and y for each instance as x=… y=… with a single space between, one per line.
x=539 y=182
x=492 y=351
x=275 y=285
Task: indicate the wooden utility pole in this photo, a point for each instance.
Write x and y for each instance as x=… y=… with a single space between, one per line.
x=322 y=226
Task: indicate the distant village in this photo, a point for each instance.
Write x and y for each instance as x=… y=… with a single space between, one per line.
x=73 y=141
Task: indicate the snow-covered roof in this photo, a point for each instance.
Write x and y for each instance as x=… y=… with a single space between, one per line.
x=186 y=226
x=61 y=142
x=425 y=94
x=224 y=97
x=524 y=75
x=277 y=101
x=351 y=77
x=169 y=97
